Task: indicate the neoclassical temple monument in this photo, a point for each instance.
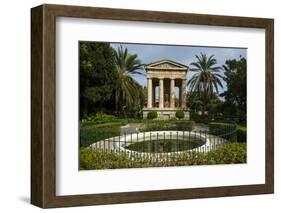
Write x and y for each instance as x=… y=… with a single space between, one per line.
x=166 y=75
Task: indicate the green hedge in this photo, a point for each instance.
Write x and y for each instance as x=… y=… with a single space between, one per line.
x=92 y=133
x=152 y=115
x=224 y=130
x=227 y=154
x=99 y=118
x=241 y=133
x=184 y=125
x=179 y=114
x=102 y=160
x=217 y=128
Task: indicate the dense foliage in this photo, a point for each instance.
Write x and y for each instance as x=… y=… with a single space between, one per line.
x=106 y=82
x=98 y=77
x=235 y=72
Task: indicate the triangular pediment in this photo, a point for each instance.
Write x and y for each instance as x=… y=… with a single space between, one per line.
x=166 y=64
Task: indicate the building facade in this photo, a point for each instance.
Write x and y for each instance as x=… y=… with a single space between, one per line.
x=162 y=79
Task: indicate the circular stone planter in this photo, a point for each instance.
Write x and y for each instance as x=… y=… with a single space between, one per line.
x=130 y=139
x=119 y=144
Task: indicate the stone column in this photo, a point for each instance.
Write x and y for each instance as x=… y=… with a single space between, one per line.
x=183 y=94
x=153 y=95
x=161 y=93
x=149 y=93
x=172 y=93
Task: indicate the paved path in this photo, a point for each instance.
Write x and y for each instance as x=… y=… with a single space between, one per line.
x=130 y=128
x=200 y=127
x=134 y=128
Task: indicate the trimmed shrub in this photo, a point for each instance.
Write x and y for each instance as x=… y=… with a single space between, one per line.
x=241 y=133
x=227 y=154
x=224 y=130
x=99 y=118
x=152 y=115
x=179 y=114
x=102 y=160
x=217 y=128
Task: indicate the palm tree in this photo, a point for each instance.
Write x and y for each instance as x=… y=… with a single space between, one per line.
x=207 y=78
x=129 y=93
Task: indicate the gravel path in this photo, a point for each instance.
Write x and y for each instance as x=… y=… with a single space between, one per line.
x=200 y=127
x=130 y=128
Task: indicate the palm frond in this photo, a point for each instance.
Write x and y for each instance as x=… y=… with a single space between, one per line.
x=207 y=78
x=127 y=65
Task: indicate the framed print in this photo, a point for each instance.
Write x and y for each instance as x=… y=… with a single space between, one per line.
x=136 y=106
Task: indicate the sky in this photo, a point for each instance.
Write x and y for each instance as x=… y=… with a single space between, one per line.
x=149 y=53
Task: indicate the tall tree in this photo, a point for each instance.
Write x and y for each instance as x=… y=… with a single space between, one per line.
x=194 y=102
x=207 y=78
x=129 y=94
x=235 y=72
x=196 y=105
x=98 y=76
